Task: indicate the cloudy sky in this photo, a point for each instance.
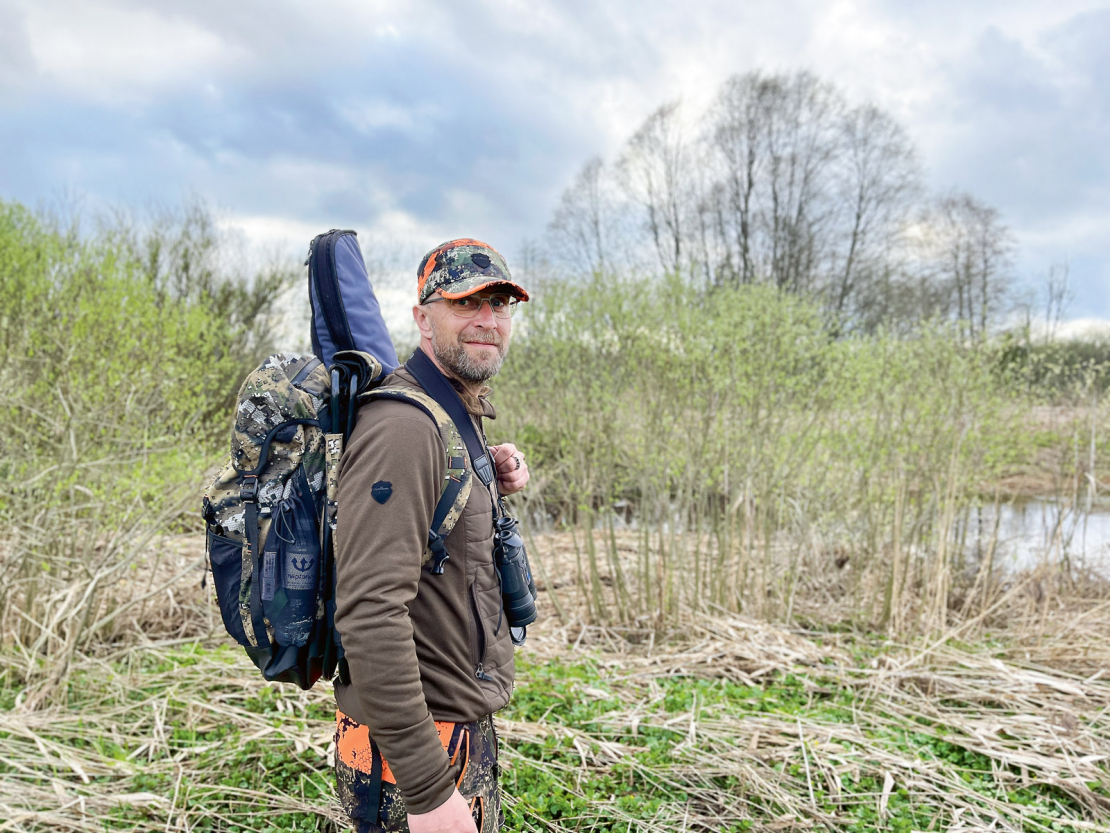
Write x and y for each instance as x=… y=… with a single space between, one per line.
x=419 y=121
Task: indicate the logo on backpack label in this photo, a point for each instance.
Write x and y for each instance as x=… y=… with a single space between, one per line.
x=300 y=572
x=381 y=491
x=269 y=575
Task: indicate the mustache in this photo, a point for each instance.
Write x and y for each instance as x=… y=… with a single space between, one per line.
x=482 y=337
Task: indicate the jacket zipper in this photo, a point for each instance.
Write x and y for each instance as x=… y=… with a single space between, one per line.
x=480 y=638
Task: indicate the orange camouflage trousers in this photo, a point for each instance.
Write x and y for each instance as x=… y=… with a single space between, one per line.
x=374 y=802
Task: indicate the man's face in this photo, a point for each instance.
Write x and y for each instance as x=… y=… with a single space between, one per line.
x=470 y=348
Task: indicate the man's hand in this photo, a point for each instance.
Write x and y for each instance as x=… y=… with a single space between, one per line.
x=512 y=471
x=452 y=816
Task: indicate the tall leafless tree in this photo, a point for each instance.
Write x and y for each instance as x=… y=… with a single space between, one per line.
x=583 y=221
x=782 y=182
x=877 y=182
x=800 y=129
x=654 y=172
x=735 y=134
x=970 y=252
x=1058 y=297
x=775 y=140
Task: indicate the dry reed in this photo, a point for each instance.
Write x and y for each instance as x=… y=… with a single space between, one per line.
x=1034 y=701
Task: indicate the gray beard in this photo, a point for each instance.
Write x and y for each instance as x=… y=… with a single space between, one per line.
x=455 y=359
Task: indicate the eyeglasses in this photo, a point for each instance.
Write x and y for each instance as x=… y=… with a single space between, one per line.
x=502 y=306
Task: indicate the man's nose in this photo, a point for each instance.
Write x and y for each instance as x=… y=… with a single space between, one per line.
x=485 y=317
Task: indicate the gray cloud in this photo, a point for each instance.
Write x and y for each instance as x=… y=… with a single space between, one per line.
x=424 y=119
x=16 y=61
x=1023 y=124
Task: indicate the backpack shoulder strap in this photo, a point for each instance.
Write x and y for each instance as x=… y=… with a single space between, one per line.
x=457 y=477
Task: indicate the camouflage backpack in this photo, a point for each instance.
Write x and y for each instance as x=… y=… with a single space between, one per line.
x=270 y=513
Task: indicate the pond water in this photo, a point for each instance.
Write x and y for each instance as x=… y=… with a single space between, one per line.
x=1033 y=532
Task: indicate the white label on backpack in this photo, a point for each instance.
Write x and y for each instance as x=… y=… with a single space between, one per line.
x=300 y=569
x=269 y=575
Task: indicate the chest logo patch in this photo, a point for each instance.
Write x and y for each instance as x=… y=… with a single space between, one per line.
x=381 y=491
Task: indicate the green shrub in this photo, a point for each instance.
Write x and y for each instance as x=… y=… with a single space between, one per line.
x=123 y=351
x=733 y=414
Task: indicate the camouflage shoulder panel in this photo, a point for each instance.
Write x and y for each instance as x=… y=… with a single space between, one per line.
x=285 y=386
x=458 y=462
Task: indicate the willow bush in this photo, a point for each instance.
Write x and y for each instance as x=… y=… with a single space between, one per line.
x=123 y=349
x=761 y=455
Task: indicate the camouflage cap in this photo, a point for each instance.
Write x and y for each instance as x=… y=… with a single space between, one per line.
x=462 y=267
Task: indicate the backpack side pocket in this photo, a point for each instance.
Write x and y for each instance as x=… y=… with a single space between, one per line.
x=226 y=558
x=291 y=566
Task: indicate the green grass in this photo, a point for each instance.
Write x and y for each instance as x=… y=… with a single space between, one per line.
x=550 y=692
x=586 y=745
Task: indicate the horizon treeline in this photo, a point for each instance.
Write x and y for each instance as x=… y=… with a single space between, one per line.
x=782 y=180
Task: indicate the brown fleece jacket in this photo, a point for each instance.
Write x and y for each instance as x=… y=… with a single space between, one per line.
x=415 y=642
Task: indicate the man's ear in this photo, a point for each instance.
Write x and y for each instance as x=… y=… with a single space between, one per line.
x=422 y=318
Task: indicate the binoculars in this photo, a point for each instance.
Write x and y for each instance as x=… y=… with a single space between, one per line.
x=518 y=591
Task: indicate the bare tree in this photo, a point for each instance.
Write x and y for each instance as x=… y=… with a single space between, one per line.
x=775 y=139
x=800 y=119
x=654 y=172
x=968 y=252
x=735 y=134
x=878 y=180
x=583 y=221
x=1058 y=297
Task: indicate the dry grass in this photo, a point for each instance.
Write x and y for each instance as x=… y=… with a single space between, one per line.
x=68 y=769
x=1034 y=721
x=136 y=733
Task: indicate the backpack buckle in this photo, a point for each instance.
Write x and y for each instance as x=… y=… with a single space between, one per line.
x=439 y=553
x=248 y=491
x=484 y=470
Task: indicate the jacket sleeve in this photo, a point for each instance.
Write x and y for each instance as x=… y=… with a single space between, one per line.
x=389 y=482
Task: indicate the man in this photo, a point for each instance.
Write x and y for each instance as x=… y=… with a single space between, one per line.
x=429 y=656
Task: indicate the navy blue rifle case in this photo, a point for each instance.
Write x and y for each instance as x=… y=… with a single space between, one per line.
x=345 y=311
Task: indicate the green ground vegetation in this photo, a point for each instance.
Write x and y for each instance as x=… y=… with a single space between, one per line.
x=188 y=738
